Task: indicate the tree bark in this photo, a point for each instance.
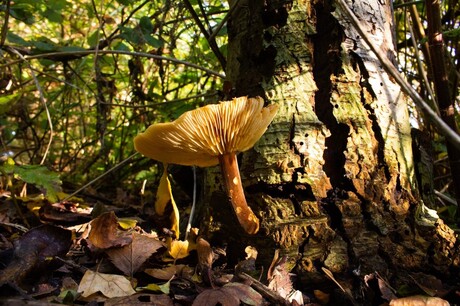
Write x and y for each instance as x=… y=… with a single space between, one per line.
x=332 y=180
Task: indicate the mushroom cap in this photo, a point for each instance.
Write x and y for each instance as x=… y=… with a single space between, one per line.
x=199 y=136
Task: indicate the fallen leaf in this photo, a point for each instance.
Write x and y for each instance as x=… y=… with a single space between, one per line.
x=245 y=293
x=321 y=296
x=279 y=278
x=170 y=271
x=104 y=232
x=164 y=288
x=180 y=249
x=127 y=223
x=419 y=300
x=165 y=197
x=141 y=299
x=110 y=285
x=33 y=251
x=205 y=254
x=232 y=294
x=129 y=258
x=212 y=297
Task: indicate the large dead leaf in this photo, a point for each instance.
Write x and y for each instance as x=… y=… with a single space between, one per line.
x=110 y=285
x=212 y=297
x=129 y=258
x=104 y=232
x=33 y=251
x=419 y=300
x=232 y=294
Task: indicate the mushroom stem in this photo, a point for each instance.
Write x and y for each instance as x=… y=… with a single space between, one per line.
x=231 y=174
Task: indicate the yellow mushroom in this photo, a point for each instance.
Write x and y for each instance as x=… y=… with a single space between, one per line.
x=212 y=135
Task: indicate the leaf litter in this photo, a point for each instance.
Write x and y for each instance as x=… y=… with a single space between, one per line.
x=119 y=259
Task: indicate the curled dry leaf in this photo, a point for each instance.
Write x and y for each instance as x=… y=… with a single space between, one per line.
x=110 y=285
x=419 y=300
x=104 y=232
x=129 y=258
x=33 y=250
x=205 y=254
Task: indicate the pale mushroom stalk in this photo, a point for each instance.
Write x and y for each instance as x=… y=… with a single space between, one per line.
x=232 y=179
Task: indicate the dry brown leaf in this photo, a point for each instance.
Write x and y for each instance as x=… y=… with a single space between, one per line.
x=321 y=296
x=170 y=271
x=245 y=293
x=212 y=297
x=110 y=285
x=280 y=280
x=130 y=257
x=419 y=300
x=205 y=254
x=104 y=232
x=232 y=294
x=141 y=299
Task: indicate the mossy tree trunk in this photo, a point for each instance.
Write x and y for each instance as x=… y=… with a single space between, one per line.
x=333 y=179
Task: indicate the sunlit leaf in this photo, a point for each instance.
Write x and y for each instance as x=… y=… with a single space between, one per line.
x=165 y=198
x=36 y=175
x=180 y=249
x=104 y=232
x=110 y=285
x=164 y=288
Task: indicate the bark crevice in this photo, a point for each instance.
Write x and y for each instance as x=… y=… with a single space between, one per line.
x=327 y=63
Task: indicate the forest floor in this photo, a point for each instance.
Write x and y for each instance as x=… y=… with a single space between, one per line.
x=101 y=251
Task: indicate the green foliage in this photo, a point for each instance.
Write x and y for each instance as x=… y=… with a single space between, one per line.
x=36 y=175
x=97 y=102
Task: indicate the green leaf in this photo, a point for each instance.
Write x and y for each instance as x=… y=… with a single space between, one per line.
x=70 y=49
x=23 y=13
x=7 y=101
x=44 y=44
x=146 y=25
x=52 y=15
x=17 y=40
x=41 y=177
x=92 y=40
x=152 y=41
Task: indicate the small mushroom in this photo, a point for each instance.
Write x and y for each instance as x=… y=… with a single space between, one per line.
x=213 y=135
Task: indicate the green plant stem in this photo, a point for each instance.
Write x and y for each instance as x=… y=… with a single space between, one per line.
x=441 y=85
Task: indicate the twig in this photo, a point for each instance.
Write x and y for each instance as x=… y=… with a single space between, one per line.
x=212 y=43
x=42 y=100
x=5 y=23
x=450 y=135
x=99 y=177
x=221 y=24
x=16 y=226
x=57 y=55
x=271 y=295
x=422 y=71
